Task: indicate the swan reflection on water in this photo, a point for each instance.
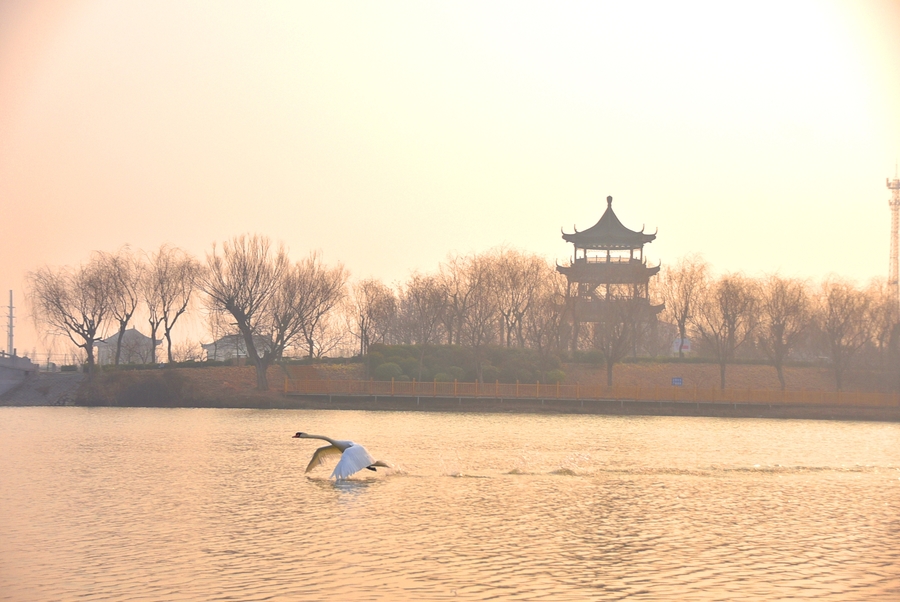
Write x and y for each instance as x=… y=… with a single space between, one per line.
x=344 y=487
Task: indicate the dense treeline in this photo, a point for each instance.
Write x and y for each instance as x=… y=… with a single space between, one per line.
x=783 y=319
x=504 y=298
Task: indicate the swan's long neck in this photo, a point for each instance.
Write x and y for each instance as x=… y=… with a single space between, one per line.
x=322 y=437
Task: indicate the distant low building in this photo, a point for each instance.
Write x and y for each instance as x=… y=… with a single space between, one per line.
x=136 y=348
x=231 y=347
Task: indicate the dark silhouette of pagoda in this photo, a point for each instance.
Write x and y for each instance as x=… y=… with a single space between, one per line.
x=608 y=271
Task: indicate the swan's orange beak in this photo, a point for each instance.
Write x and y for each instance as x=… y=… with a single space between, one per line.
x=297 y=436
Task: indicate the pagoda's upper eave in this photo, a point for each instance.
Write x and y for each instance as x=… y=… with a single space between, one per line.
x=608 y=233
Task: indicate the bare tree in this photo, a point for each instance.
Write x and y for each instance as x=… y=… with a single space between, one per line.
x=785 y=312
x=329 y=335
x=385 y=324
x=369 y=312
x=171 y=278
x=479 y=325
x=614 y=331
x=423 y=303
x=841 y=317
x=125 y=273
x=308 y=290
x=517 y=277
x=726 y=318
x=883 y=315
x=152 y=296
x=242 y=281
x=680 y=289
x=72 y=302
x=457 y=289
x=280 y=321
x=543 y=321
x=320 y=289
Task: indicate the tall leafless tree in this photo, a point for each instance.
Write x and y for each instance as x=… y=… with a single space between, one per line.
x=320 y=289
x=726 y=318
x=72 y=302
x=241 y=280
x=152 y=295
x=785 y=312
x=171 y=277
x=543 y=322
x=125 y=272
x=883 y=316
x=479 y=325
x=517 y=277
x=370 y=311
x=422 y=304
x=308 y=290
x=453 y=276
x=680 y=289
x=841 y=317
x=613 y=331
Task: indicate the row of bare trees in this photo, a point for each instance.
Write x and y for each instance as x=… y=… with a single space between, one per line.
x=273 y=303
x=502 y=297
x=80 y=302
x=248 y=284
x=249 y=287
x=780 y=318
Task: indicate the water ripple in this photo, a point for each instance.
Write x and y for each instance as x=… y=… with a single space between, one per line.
x=214 y=505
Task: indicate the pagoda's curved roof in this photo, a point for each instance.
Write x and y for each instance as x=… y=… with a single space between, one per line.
x=608 y=233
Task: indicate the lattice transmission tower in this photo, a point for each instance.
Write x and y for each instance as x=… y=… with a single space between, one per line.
x=893 y=274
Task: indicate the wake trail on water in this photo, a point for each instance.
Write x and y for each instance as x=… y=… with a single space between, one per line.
x=711 y=471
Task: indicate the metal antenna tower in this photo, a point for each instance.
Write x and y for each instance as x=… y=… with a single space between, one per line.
x=9 y=330
x=894 y=203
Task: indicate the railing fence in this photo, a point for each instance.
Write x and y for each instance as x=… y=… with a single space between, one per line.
x=498 y=390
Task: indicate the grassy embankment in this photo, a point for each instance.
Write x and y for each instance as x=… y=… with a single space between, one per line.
x=234 y=386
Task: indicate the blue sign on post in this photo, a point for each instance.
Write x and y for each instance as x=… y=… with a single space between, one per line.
x=677 y=381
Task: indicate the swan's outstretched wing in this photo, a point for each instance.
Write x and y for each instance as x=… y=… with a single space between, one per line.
x=320 y=455
x=354 y=459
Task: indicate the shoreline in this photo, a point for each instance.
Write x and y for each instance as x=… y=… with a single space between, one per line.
x=595 y=407
x=518 y=406
x=234 y=388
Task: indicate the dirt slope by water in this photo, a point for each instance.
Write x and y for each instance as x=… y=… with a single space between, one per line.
x=235 y=386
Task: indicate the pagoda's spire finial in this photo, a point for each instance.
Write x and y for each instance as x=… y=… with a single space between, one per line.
x=609 y=201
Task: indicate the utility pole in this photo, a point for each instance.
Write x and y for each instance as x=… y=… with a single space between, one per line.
x=9 y=330
x=893 y=273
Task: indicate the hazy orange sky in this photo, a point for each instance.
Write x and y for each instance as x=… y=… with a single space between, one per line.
x=390 y=134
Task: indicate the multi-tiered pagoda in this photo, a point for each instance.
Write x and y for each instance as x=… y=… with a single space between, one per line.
x=608 y=267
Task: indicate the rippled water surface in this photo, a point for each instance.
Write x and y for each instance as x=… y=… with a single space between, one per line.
x=146 y=504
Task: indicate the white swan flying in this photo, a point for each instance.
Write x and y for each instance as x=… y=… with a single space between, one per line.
x=354 y=457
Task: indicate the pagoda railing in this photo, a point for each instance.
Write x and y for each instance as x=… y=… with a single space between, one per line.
x=608 y=260
x=544 y=392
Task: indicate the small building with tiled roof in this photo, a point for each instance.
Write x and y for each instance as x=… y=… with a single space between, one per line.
x=136 y=348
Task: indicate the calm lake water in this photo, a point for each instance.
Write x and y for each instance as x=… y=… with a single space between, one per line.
x=147 y=504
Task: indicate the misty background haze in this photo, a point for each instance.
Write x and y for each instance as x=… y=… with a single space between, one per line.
x=388 y=136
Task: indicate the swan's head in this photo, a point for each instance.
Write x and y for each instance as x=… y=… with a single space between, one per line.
x=300 y=436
